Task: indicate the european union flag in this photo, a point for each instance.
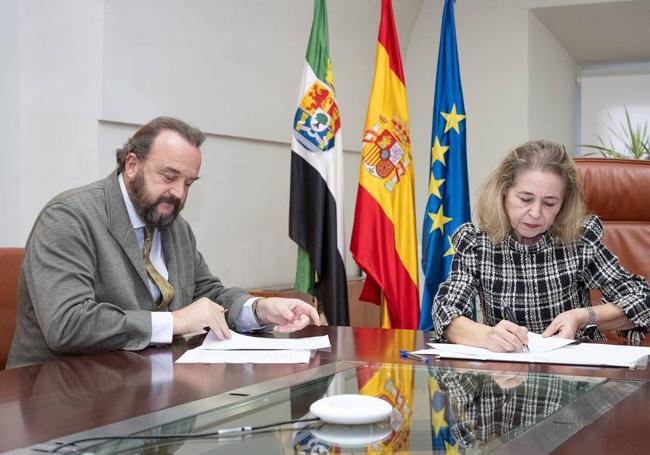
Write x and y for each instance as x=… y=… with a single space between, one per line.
x=442 y=419
x=448 y=203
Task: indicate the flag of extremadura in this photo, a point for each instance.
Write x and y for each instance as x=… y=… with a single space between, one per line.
x=316 y=201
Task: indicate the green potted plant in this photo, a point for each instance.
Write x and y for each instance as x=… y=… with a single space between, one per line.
x=635 y=140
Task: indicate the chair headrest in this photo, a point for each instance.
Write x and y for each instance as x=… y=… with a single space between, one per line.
x=616 y=190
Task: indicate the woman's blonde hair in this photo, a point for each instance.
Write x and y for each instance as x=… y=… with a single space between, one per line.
x=541 y=155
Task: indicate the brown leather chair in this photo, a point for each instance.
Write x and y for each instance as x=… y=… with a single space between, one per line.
x=618 y=191
x=10 y=259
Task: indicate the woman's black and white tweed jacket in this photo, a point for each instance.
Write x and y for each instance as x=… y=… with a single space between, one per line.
x=537 y=281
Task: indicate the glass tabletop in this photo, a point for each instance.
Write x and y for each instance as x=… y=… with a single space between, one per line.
x=435 y=409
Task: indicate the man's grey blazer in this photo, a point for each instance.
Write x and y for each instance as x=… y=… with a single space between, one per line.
x=83 y=283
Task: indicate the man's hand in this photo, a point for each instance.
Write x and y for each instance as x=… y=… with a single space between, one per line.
x=506 y=336
x=288 y=315
x=200 y=314
x=565 y=325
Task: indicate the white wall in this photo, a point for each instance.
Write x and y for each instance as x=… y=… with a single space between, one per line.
x=605 y=95
x=86 y=74
x=553 y=93
x=10 y=155
x=234 y=68
x=54 y=88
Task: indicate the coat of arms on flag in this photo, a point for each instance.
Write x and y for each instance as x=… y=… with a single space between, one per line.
x=384 y=156
x=317 y=119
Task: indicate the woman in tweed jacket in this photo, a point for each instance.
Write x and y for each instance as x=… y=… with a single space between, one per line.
x=536 y=252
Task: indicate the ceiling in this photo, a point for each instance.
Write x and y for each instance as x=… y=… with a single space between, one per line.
x=607 y=33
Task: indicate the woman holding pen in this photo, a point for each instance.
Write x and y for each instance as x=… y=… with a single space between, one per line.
x=532 y=259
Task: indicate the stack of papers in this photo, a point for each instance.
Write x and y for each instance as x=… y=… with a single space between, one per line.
x=247 y=349
x=548 y=350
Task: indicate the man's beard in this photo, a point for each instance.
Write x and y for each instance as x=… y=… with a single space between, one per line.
x=147 y=211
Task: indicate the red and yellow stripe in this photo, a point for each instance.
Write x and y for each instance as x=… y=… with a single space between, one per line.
x=384 y=239
x=392 y=382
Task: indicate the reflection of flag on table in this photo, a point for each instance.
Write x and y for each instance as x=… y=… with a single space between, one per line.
x=448 y=203
x=393 y=383
x=302 y=396
x=442 y=420
x=384 y=241
x=316 y=201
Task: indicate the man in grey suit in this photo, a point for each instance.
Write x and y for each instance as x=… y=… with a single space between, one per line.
x=112 y=265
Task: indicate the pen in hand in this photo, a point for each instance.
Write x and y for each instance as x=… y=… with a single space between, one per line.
x=510 y=315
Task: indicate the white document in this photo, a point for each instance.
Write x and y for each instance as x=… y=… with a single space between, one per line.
x=596 y=354
x=239 y=341
x=468 y=355
x=537 y=343
x=566 y=353
x=266 y=356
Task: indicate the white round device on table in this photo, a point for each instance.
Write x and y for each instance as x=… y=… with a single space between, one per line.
x=351 y=409
x=352 y=436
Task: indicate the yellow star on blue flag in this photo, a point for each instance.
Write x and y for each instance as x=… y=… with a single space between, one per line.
x=451 y=250
x=438 y=151
x=453 y=119
x=438 y=220
x=442 y=419
x=434 y=186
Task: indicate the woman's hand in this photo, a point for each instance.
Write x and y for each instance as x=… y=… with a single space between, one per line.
x=506 y=336
x=517 y=374
x=565 y=325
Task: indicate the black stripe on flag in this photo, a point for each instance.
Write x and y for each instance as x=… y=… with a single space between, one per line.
x=312 y=225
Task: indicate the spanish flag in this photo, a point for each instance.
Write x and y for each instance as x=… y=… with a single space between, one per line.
x=392 y=382
x=384 y=240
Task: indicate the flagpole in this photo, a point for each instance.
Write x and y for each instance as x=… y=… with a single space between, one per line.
x=383 y=313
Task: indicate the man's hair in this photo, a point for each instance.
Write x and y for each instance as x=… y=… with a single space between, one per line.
x=541 y=155
x=140 y=143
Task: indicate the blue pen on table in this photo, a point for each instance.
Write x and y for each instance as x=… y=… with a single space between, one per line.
x=511 y=317
x=403 y=353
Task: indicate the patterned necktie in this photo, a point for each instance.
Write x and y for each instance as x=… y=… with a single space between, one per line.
x=166 y=289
